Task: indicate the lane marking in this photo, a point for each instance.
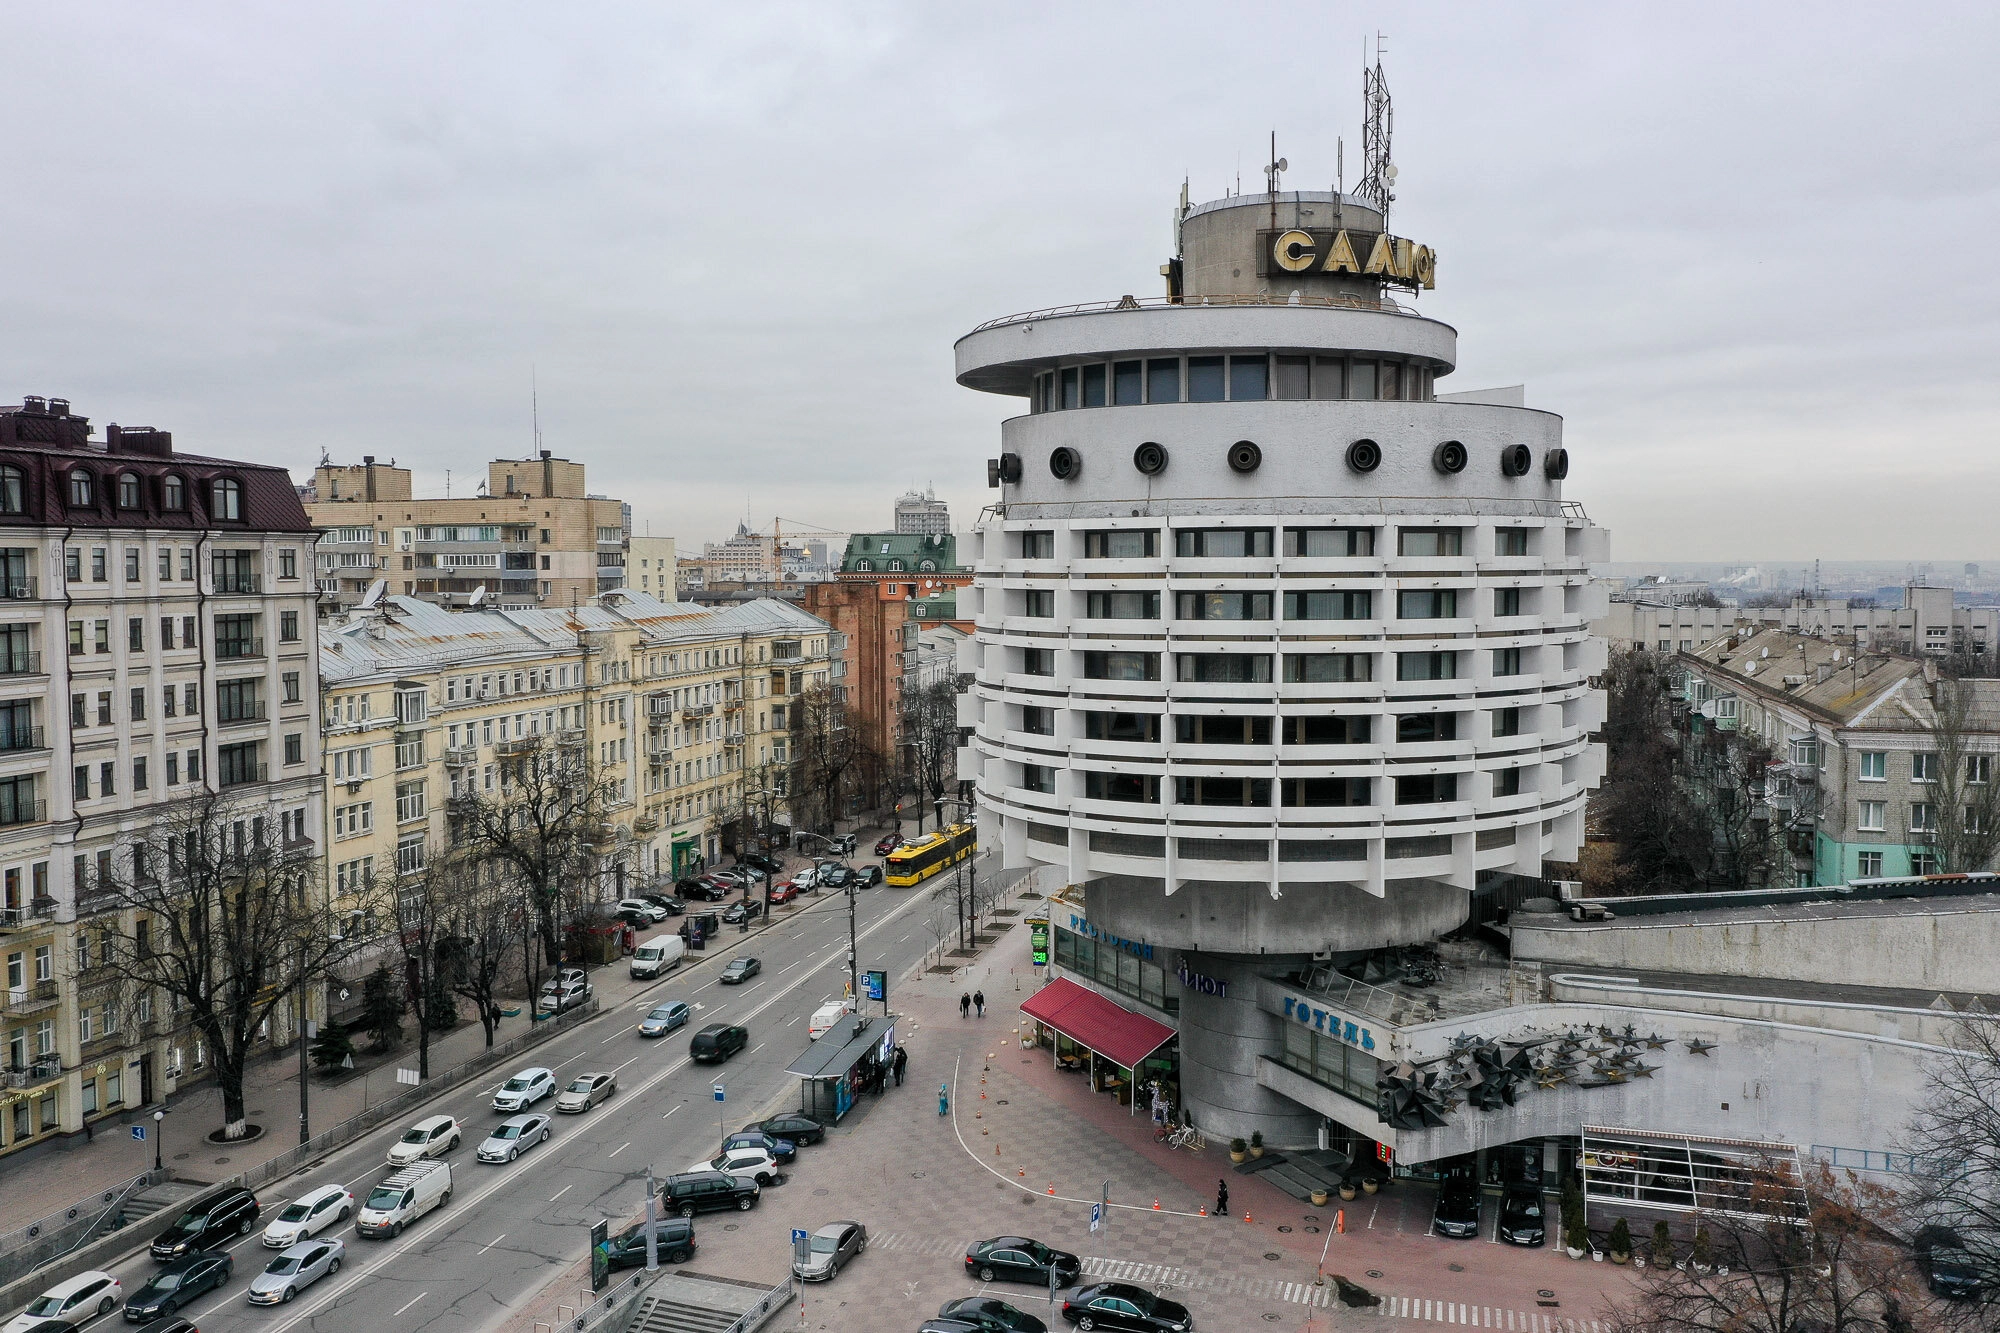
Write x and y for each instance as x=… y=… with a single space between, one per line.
x=671 y=1112
x=613 y=1037
x=419 y=1296
x=559 y=1193
x=620 y=1148
x=754 y=1049
x=495 y=1241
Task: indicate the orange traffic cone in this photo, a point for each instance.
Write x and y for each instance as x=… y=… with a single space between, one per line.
x=1022 y=1173
x=1052 y=1189
x=1156 y=1205
x=1246 y=1217
x=1204 y=1210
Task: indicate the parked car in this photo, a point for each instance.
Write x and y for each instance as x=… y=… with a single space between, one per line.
x=674 y=1243
x=845 y=843
x=1947 y=1266
x=807 y=878
x=782 y=1149
x=1019 y=1259
x=403 y=1198
x=754 y=1163
x=433 y=1136
x=1457 y=1212
x=826 y=1016
x=666 y=902
x=660 y=953
x=717 y=1042
x=180 y=1283
x=562 y=998
x=296 y=1269
x=567 y=976
x=514 y=1136
x=1121 y=1305
x=585 y=1091
x=649 y=910
x=664 y=1018
x=207 y=1222
x=728 y=879
x=308 y=1215
x=889 y=844
x=783 y=892
x=769 y=864
x=836 y=877
x=990 y=1315
x=705 y=1191
x=830 y=1247
x=1521 y=1216
x=746 y=909
x=793 y=1126
x=708 y=890
x=524 y=1089
x=740 y=970
x=867 y=877
x=76 y=1300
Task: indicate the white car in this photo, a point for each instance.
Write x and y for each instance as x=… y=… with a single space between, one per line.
x=524 y=1089
x=640 y=907
x=77 y=1301
x=514 y=1136
x=308 y=1215
x=299 y=1266
x=755 y=1163
x=433 y=1136
x=807 y=878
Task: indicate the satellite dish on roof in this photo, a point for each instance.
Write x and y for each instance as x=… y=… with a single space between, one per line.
x=478 y=596
x=373 y=597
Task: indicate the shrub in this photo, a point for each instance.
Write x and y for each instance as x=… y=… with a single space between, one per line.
x=1663 y=1242
x=1621 y=1237
x=1238 y=1145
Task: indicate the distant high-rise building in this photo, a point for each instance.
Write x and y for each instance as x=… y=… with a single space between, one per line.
x=924 y=513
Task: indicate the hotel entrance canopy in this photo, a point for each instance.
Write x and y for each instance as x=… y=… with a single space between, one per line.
x=1088 y=1019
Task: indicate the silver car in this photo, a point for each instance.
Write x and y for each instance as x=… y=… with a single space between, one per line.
x=296 y=1269
x=514 y=1136
x=586 y=1091
x=830 y=1247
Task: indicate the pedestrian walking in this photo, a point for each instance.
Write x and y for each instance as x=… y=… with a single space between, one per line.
x=979 y=1002
x=965 y=1005
x=902 y=1058
x=944 y=1100
x=1222 y=1198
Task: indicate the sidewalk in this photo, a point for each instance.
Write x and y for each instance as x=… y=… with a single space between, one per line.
x=51 y=1178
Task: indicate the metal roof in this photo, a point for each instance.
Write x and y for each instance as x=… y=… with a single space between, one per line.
x=832 y=1056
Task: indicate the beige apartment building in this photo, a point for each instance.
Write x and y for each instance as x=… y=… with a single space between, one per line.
x=684 y=708
x=650 y=564
x=533 y=538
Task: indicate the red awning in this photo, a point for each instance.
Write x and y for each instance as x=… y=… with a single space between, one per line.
x=1087 y=1018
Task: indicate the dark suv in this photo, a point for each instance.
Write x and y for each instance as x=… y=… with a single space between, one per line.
x=705 y=1192
x=718 y=1041
x=627 y=1249
x=207 y=1222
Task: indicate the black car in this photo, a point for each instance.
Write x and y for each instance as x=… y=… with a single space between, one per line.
x=740 y=970
x=1019 y=1259
x=836 y=877
x=231 y=1211
x=705 y=891
x=1521 y=1216
x=770 y=865
x=64 y=1326
x=718 y=1041
x=990 y=1316
x=694 y=1192
x=1947 y=1266
x=666 y=902
x=867 y=877
x=1457 y=1212
x=749 y=909
x=1121 y=1305
x=676 y=1244
x=797 y=1128
x=178 y=1284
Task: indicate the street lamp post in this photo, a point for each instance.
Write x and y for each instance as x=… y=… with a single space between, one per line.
x=853 y=945
x=159 y=1129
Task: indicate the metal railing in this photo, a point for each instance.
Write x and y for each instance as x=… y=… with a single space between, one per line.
x=233 y=649
x=252 y=712
x=27 y=999
x=20 y=664
x=238 y=775
x=772 y=1300
x=21 y=738
x=111 y=1201
x=39 y=1070
x=1383 y=306
x=14 y=918
x=227 y=583
x=20 y=588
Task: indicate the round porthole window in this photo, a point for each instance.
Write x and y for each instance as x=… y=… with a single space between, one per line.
x=1449 y=457
x=1150 y=458
x=1364 y=455
x=1245 y=456
x=1065 y=463
x=1516 y=459
x=1555 y=464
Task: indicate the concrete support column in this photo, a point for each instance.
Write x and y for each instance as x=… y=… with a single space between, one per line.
x=1221 y=1038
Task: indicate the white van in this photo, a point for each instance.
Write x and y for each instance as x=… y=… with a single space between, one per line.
x=825 y=1017
x=660 y=953
x=403 y=1198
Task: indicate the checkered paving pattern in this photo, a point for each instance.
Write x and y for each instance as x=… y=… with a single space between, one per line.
x=1480 y=1316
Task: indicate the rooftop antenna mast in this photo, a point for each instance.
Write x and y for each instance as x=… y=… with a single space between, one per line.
x=1378 y=120
x=535 y=406
x=1272 y=170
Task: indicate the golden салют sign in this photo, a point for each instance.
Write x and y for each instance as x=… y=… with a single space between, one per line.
x=1309 y=250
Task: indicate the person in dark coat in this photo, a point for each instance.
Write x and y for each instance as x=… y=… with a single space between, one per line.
x=1222 y=1198
x=979 y=1002
x=902 y=1058
x=965 y=1005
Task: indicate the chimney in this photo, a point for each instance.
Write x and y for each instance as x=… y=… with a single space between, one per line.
x=368 y=477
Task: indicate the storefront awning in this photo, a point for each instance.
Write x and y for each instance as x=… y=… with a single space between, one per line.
x=1087 y=1018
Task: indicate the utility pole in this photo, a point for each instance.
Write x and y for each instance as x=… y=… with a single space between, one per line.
x=652 y=1233
x=305 y=1127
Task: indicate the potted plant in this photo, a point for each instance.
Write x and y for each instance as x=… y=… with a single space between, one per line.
x=1238 y=1150
x=1347 y=1190
x=1700 y=1256
x=1369 y=1184
x=1576 y=1231
x=1319 y=1196
x=1621 y=1242
x=1257 y=1143
x=1663 y=1246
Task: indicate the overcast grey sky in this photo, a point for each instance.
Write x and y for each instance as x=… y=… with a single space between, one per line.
x=1746 y=251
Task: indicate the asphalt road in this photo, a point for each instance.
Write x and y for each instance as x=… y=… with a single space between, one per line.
x=507 y=1228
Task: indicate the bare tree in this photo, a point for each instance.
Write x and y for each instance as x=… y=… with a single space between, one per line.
x=1644 y=807
x=1785 y=1255
x=417 y=907
x=1955 y=1145
x=1964 y=830
x=544 y=827
x=930 y=740
x=483 y=921
x=828 y=756
x=228 y=921
x=941 y=917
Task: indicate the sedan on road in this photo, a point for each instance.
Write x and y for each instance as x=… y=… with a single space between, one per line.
x=747 y=1163
x=585 y=1091
x=830 y=1247
x=1122 y=1306
x=708 y=890
x=769 y=864
x=514 y=1136
x=740 y=970
x=1019 y=1259
x=296 y=1269
x=563 y=998
x=747 y=909
x=176 y=1285
x=868 y=877
x=989 y=1315
x=782 y=1149
x=836 y=877
x=525 y=1089
x=308 y=1215
x=77 y=1300
x=798 y=1128
x=666 y=902
x=664 y=1018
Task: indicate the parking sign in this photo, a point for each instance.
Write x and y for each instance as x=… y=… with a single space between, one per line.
x=718 y=1092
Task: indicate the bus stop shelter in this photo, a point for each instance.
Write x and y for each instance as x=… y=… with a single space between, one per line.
x=833 y=1070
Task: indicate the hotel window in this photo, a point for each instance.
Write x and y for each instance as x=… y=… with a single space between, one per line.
x=1326 y=791
x=1125 y=605
x=1222 y=543
x=1038 y=602
x=1426 y=728
x=1038 y=545
x=1361 y=380
x=1222 y=605
x=1872 y=816
x=1222 y=791
x=1427 y=789
x=1038 y=777
x=1506 y=601
x=1430 y=541
x=1038 y=661
x=1507 y=782
x=1141 y=788
x=1205 y=381
x=1506 y=721
x=1358 y=605
x=1128 y=384
x=1114 y=969
x=1322 y=543
x=1506 y=661
x=1093 y=386
x=1328 y=730
x=1197 y=729
x=1121 y=666
x=1328 y=668
x=1427 y=604
x=1069 y=388
x=1294 y=378
x=1223 y=668
x=1249 y=378
x=1923 y=767
x=1329 y=378
x=1163 y=380
x=1332 y=1063
x=1122 y=544
x=1426 y=666
x=1137 y=728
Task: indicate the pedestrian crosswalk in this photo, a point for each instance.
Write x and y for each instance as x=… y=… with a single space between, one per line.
x=1480 y=1316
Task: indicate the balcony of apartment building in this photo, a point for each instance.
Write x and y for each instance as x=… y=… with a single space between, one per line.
x=29 y=917
x=461 y=756
x=29 y=998
x=16 y=587
x=16 y=661
x=42 y=1069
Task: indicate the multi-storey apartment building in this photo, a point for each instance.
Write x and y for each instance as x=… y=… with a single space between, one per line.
x=681 y=708
x=650 y=565
x=535 y=538
x=155 y=643
x=922 y=511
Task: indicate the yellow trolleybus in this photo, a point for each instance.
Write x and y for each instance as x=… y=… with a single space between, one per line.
x=929 y=854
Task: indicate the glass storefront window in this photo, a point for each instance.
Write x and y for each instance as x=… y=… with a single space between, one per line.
x=1115 y=970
